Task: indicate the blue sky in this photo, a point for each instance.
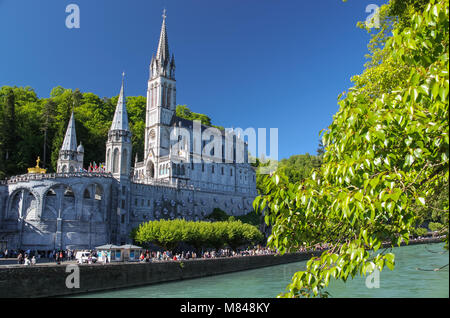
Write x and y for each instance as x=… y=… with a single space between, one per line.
x=245 y=63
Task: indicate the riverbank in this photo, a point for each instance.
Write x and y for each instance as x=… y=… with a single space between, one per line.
x=51 y=281
x=18 y=281
x=408 y=280
x=421 y=240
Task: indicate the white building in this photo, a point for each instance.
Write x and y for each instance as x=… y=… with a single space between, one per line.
x=182 y=175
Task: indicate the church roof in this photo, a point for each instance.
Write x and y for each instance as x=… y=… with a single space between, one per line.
x=70 y=140
x=120 y=121
x=187 y=123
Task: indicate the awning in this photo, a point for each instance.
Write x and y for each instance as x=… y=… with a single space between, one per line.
x=108 y=247
x=130 y=247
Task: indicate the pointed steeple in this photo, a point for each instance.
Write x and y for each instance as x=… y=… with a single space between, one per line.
x=162 y=54
x=120 y=121
x=162 y=64
x=70 y=140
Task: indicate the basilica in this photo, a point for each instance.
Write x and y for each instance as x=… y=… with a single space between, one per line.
x=187 y=171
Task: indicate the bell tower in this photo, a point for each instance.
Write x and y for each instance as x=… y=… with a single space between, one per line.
x=161 y=102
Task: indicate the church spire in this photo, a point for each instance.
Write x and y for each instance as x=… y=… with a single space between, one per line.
x=118 y=146
x=163 y=47
x=70 y=140
x=120 y=121
x=162 y=64
x=70 y=156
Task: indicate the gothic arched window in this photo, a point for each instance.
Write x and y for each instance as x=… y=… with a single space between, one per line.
x=108 y=159
x=168 y=96
x=124 y=161
x=115 y=163
x=152 y=97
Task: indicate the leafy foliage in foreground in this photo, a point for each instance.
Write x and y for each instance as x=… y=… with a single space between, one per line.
x=386 y=154
x=297 y=167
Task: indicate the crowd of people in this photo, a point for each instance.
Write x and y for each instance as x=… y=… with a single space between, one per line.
x=150 y=256
x=157 y=256
x=31 y=257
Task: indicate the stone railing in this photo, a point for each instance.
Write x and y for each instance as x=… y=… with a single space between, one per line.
x=199 y=186
x=35 y=177
x=167 y=184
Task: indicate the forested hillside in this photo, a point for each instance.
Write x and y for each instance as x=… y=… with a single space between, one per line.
x=31 y=126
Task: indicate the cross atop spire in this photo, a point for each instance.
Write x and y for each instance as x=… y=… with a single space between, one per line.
x=163 y=47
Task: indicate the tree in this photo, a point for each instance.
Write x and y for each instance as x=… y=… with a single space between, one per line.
x=320 y=149
x=48 y=118
x=136 y=106
x=184 y=112
x=8 y=134
x=217 y=215
x=387 y=153
x=169 y=233
x=298 y=167
x=64 y=99
x=19 y=134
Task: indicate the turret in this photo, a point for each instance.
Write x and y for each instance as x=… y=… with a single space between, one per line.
x=118 y=146
x=70 y=158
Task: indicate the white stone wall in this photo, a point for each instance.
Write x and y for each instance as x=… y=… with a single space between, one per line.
x=86 y=210
x=55 y=213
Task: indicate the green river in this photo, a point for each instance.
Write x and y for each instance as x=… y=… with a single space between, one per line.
x=413 y=276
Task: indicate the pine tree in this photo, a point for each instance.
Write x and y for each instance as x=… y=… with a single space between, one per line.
x=48 y=117
x=8 y=134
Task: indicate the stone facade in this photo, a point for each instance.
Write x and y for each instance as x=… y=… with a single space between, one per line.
x=176 y=179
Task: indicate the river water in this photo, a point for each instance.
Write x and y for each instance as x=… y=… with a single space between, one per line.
x=413 y=276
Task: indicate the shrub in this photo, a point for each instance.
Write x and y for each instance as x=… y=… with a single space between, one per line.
x=169 y=233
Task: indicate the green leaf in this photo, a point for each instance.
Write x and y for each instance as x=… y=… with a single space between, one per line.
x=421 y=200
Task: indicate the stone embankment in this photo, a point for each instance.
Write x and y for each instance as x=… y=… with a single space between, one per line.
x=53 y=280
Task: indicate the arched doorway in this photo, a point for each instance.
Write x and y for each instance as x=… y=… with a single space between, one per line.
x=150 y=169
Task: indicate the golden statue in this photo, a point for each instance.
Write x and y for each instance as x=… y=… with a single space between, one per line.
x=37 y=169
